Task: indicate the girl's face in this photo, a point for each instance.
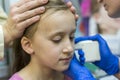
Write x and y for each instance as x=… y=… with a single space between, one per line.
x=112 y=7
x=54 y=40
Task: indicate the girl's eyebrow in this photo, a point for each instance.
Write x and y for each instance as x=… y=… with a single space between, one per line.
x=56 y=33
x=60 y=32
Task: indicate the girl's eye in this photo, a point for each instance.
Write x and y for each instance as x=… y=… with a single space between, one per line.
x=57 y=39
x=72 y=37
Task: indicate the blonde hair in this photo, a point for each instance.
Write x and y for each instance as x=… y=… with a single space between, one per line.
x=21 y=58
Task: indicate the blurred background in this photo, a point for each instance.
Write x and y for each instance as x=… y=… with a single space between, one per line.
x=93 y=20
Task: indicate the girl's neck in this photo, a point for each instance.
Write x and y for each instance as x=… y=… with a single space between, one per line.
x=33 y=71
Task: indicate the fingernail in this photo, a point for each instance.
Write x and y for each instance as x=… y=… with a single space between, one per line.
x=37 y=17
x=42 y=8
x=44 y=1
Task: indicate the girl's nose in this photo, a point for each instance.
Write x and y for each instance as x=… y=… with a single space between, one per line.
x=68 y=49
x=68 y=46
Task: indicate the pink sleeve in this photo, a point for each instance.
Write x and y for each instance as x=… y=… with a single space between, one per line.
x=15 y=77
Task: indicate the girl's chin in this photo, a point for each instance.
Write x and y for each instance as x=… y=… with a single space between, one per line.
x=64 y=68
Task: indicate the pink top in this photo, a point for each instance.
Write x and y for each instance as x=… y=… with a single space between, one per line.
x=17 y=77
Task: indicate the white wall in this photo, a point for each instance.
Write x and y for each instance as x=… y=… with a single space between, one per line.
x=13 y=1
x=5 y=4
x=1 y=3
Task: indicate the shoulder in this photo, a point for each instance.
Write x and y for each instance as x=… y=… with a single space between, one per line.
x=15 y=77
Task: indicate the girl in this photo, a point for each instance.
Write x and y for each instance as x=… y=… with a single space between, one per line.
x=46 y=47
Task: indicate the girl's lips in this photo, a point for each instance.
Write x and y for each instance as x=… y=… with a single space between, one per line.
x=66 y=59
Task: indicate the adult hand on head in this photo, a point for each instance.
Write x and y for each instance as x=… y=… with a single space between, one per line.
x=77 y=70
x=22 y=14
x=109 y=62
x=72 y=8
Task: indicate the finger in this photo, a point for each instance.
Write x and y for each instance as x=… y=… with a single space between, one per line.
x=27 y=23
x=76 y=17
x=72 y=8
x=80 y=39
x=96 y=37
x=81 y=53
x=68 y=3
x=29 y=5
x=29 y=14
x=81 y=57
x=20 y=2
x=82 y=60
x=85 y=38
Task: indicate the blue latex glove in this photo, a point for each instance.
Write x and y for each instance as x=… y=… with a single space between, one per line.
x=77 y=71
x=109 y=62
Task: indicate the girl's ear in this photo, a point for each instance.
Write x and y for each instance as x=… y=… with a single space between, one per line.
x=27 y=45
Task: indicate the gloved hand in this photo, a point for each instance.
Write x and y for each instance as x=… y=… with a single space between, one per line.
x=77 y=71
x=109 y=62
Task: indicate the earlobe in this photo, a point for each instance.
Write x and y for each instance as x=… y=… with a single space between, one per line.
x=27 y=45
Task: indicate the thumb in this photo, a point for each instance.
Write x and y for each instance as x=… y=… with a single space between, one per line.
x=81 y=57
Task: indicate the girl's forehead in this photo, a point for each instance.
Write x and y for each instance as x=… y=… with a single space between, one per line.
x=51 y=13
x=51 y=17
x=57 y=21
